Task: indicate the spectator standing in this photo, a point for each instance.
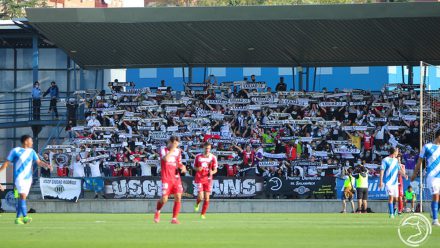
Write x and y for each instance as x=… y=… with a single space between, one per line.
x=93 y=122
x=53 y=92
x=145 y=168
x=72 y=107
x=77 y=167
x=281 y=86
x=45 y=172
x=36 y=100
x=95 y=171
x=348 y=191
x=362 y=189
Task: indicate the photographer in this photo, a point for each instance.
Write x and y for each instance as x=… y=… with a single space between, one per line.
x=361 y=175
x=348 y=190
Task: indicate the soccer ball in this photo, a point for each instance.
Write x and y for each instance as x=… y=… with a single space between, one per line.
x=408 y=210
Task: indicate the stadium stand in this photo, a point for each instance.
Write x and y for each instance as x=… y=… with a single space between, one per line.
x=255 y=131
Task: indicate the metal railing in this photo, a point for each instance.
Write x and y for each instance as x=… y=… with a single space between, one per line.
x=22 y=110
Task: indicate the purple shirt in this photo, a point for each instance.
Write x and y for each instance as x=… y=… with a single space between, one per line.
x=410 y=161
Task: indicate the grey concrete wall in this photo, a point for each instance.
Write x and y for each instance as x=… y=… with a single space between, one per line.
x=216 y=206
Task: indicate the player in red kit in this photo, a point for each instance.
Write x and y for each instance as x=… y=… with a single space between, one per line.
x=171 y=161
x=205 y=166
x=400 y=184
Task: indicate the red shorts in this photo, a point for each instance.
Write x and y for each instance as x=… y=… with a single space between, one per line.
x=172 y=187
x=204 y=186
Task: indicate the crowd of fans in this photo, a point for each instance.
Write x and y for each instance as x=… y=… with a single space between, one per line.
x=254 y=130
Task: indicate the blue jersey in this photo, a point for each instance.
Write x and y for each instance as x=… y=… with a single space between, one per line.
x=22 y=159
x=391 y=168
x=431 y=152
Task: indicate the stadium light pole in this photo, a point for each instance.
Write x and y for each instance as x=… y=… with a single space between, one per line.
x=421 y=134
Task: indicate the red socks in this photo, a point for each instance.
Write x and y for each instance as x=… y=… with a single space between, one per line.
x=176 y=209
x=159 y=205
x=198 y=201
x=400 y=205
x=205 y=207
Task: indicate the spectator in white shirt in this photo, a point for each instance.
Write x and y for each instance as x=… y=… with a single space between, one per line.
x=77 y=167
x=145 y=168
x=94 y=167
x=93 y=122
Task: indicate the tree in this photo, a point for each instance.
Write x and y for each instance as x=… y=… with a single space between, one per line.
x=16 y=8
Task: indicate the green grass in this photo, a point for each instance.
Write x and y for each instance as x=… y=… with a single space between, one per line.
x=218 y=230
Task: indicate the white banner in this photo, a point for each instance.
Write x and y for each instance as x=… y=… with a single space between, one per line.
x=239 y=101
x=381 y=104
x=92 y=142
x=239 y=108
x=320 y=154
x=336 y=95
x=113 y=112
x=254 y=107
x=150 y=107
x=332 y=104
x=85 y=160
x=172 y=102
x=61 y=188
x=264 y=100
x=409 y=117
x=216 y=102
x=347 y=150
x=410 y=102
x=296 y=102
x=259 y=85
x=104 y=129
x=363 y=103
x=272 y=155
x=354 y=128
x=357 y=97
x=172 y=128
x=379 y=119
x=394 y=128
x=268 y=164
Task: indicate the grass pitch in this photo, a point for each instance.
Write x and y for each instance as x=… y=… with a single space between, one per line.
x=218 y=230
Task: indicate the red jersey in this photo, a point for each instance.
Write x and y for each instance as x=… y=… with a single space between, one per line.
x=207 y=164
x=292 y=153
x=120 y=157
x=248 y=157
x=231 y=170
x=368 y=142
x=206 y=137
x=126 y=172
x=168 y=170
x=136 y=158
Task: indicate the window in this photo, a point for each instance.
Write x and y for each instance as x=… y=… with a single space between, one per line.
x=248 y=71
x=148 y=73
x=324 y=71
x=360 y=70
x=286 y=71
x=217 y=71
x=179 y=73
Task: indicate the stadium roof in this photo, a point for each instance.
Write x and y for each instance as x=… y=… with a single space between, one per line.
x=305 y=35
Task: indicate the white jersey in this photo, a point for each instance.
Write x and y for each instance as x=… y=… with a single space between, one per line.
x=22 y=159
x=391 y=168
x=431 y=152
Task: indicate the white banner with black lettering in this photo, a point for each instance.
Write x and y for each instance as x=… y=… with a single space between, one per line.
x=68 y=189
